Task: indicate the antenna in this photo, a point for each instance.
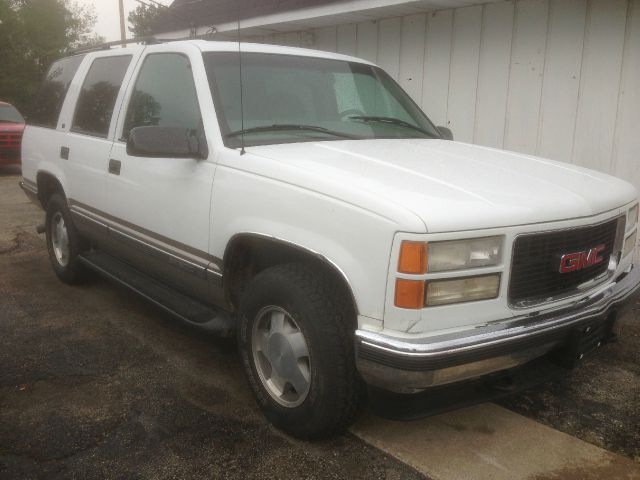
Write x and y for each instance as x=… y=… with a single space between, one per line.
x=242 y=150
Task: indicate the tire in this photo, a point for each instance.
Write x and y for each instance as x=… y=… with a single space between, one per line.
x=314 y=306
x=63 y=252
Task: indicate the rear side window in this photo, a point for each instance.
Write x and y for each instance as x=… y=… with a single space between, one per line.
x=164 y=95
x=51 y=96
x=98 y=95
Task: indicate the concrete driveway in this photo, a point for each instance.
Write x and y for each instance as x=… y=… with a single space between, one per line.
x=95 y=383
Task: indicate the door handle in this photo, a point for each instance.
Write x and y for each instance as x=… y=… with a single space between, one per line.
x=114 y=166
x=64 y=153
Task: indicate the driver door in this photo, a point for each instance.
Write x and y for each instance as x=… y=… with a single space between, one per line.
x=159 y=208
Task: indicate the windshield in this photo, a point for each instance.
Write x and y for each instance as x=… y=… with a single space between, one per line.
x=9 y=114
x=290 y=98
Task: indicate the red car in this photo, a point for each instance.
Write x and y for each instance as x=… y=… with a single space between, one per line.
x=11 y=128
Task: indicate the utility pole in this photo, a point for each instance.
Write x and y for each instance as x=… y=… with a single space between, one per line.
x=123 y=32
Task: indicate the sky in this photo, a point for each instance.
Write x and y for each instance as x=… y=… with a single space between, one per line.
x=108 y=24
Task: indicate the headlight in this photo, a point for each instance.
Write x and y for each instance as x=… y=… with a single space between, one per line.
x=464 y=254
x=629 y=244
x=632 y=217
x=442 y=292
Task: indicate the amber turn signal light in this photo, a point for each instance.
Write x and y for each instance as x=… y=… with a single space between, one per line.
x=413 y=257
x=409 y=293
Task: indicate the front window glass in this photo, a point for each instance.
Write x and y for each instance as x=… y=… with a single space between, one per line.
x=9 y=114
x=290 y=98
x=164 y=95
x=98 y=96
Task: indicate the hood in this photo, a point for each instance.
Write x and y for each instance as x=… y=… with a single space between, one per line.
x=455 y=186
x=6 y=127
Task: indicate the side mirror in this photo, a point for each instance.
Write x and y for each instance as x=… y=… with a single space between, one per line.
x=166 y=142
x=445 y=132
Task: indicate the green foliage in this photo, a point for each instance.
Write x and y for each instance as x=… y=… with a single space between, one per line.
x=142 y=20
x=33 y=33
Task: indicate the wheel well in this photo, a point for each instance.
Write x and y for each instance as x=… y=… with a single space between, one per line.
x=248 y=255
x=47 y=186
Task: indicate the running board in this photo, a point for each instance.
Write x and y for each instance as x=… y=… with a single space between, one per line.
x=177 y=304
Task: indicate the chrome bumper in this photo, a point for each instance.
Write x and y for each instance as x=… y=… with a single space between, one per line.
x=408 y=365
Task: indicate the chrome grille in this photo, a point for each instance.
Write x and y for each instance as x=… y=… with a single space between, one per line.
x=535 y=268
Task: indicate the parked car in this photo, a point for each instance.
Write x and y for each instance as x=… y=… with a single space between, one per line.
x=317 y=213
x=11 y=128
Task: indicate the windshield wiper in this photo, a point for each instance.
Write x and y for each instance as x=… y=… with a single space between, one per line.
x=392 y=121
x=286 y=126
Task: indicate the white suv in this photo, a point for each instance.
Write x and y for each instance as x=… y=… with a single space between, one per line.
x=317 y=212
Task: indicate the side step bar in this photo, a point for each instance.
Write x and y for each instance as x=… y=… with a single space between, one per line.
x=177 y=304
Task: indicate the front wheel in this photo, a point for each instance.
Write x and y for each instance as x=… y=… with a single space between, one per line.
x=296 y=342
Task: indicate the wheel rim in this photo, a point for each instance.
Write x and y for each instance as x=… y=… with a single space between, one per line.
x=281 y=356
x=60 y=239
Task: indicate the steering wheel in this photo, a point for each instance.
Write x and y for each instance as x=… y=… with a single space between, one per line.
x=351 y=111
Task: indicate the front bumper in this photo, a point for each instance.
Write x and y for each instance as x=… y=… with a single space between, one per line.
x=407 y=365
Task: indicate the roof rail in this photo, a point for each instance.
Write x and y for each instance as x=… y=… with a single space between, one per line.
x=143 y=40
x=108 y=45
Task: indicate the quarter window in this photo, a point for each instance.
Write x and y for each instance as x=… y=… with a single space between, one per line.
x=48 y=104
x=98 y=95
x=164 y=95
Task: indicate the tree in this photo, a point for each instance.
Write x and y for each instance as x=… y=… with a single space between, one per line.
x=142 y=20
x=33 y=33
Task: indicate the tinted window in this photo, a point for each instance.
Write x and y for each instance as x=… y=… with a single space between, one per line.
x=164 y=95
x=98 y=95
x=53 y=91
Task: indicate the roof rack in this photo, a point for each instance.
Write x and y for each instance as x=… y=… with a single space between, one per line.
x=108 y=45
x=143 y=40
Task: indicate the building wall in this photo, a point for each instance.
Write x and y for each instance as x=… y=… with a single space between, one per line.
x=556 y=78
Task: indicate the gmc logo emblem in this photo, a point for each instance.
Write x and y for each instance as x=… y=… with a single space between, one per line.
x=571 y=262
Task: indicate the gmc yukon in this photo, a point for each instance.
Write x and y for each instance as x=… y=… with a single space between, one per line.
x=315 y=212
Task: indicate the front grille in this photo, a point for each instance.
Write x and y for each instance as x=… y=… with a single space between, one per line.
x=535 y=276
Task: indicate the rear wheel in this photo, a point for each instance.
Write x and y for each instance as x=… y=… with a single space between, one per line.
x=63 y=241
x=296 y=342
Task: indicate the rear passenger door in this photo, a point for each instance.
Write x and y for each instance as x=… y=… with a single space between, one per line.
x=87 y=146
x=160 y=207
x=47 y=121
